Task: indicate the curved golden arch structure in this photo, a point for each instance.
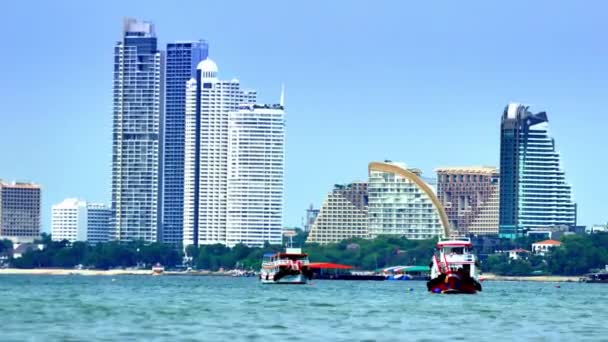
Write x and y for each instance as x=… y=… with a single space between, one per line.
x=384 y=167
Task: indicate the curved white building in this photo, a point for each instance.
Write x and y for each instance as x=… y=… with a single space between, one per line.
x=402 y=204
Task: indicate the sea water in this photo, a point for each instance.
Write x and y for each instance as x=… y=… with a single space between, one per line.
x=199 y=308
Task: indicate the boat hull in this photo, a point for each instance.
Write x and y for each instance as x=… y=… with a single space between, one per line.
x=298 y=279
x=453 y=284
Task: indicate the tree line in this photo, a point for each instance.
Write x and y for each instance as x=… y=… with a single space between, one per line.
x=577 y=255
x=62 y=254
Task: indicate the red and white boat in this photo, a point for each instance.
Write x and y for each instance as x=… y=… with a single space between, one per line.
x=289 y=267
x=454 y=268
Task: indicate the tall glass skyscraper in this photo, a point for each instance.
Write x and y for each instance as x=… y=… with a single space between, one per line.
x=533 y=189
x=137 y=133
x=181 y=61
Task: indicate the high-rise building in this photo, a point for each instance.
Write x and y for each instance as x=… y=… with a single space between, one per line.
x=19 y=211
x=209 y=102
x=76 y=220
x=256 y=164
x=311 y=216
x=402 y=204
x=137 y=133
x=533 y=189
x=343 y=215
x=470 y=196
x=180 y=66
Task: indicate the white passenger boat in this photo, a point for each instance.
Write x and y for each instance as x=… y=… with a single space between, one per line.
x=289 y=267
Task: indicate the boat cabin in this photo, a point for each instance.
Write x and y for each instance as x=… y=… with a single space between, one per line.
x=291 y=255
x=455 y=254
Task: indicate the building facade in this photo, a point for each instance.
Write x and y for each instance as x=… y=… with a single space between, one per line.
x=69 y=220
x=98 y=222
x=533 y=189
x=76 y=220
x=182 y=59
x=256 y=164
x=137 y=133
x=544 y=247
x=343 y=215
x=311 y=216
x=209 y=102
x=470 y=198
x=402 y=204
x=19 y=211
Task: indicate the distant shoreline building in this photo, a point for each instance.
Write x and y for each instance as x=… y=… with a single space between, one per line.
x=137 y=133
x=311 y=216
x=342 y=216
x=534 y=194
x=76 y=220
x=402 y=204
x=19 y=211
x=182 y=59
x=470 y=197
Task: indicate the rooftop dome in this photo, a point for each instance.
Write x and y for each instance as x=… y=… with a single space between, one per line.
x=207 y=65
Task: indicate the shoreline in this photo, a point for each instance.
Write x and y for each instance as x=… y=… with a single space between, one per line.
x=64 y=272
x=546 y=278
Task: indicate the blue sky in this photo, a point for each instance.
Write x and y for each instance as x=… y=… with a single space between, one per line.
x=414 y=82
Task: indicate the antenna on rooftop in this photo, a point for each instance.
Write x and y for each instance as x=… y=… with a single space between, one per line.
x=282 y=100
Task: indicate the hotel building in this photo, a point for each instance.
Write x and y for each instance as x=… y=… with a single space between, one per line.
x=402 y=204
x=19 y=211
x=533 y=190
x=343 y=215
x=256 y=164
x=209 y=102
x=137 y=133
x=76 y=220
x=470 y=198
x=182 y=59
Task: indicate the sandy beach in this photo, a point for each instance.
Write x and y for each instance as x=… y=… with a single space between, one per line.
x=55 y=271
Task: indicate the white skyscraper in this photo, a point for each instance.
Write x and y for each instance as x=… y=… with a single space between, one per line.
x=209 y=101
x=256 y=154
x=76 y=220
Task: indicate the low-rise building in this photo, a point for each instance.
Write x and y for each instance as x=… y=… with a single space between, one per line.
x=76 y=220
x=543 y=247
x=596 y=228
x=518 y=253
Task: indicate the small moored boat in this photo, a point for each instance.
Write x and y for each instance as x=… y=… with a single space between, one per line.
x=599 y=277
x=157 y=269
